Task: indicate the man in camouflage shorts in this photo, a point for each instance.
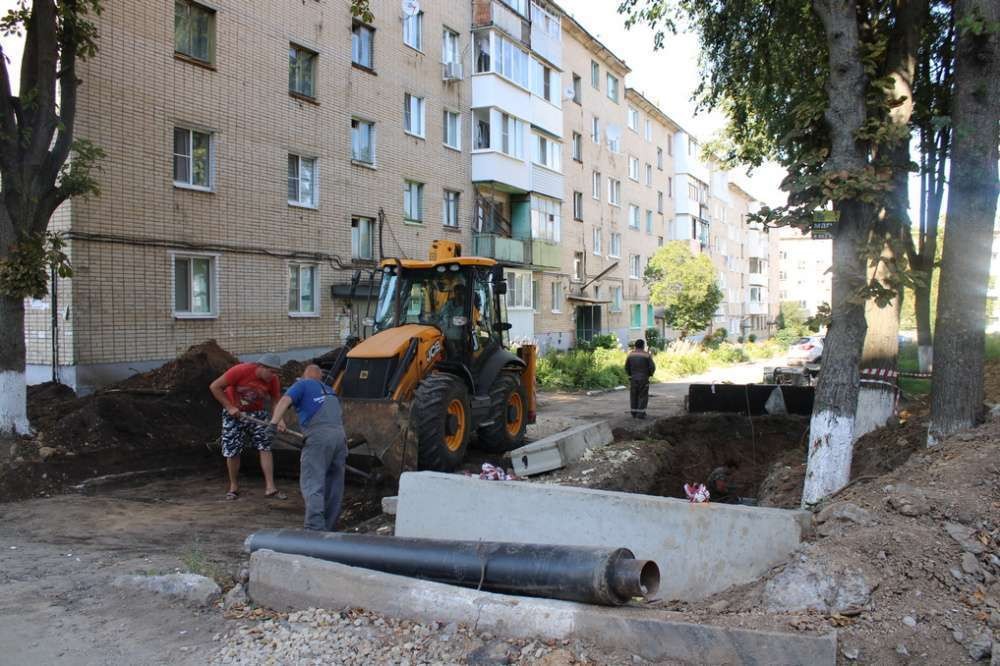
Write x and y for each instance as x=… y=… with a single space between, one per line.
x=242 y=391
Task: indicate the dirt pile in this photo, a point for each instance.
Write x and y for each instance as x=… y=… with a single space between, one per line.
x=924 y=537
x=163 y=417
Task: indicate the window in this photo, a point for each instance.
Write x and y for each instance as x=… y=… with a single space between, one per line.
x=192 y=158
x=635 y=315
x=577 y=205
x=542 y=82
x=362 y=141
x=302 y=289
x=595 y=130
x=616 y=245
x=756 y=265
x=649 y=175
x=450 y=213
x=481 y=46
x=614 y=141
x=692 y=145
x=577 y=89
x=548 y=153
x=633 y=119
x=612 y=88
x=546 y=219
x=194 y=30
x=633 y=168
x=670 y=144
x=194 y=286
x=481 y=121
x=413 y=31
x=670 y=187
x=595 y=185
x=301 y=71
x=650 y=321
x=413 y=114
x=509 y=60
x=614 y=192
x=577 y=147
x=362 y=45
x=595 y=75
x=634 y=266
x=755 y=294
x=616 y=299
x=512 y=136
x=578 y=266
x=597 y=238
x=452 y=130
x=649 y=130
x=633 y=216
x=692 y=192
x=520 y=294
x=659 y=241
x=519 y=6
x=301 y=181
x=536 y=295
x=362 y=237
x=659 y=203
x=557 y=295
x=649 y=221
x=451 y=51
x=659 y=159
x=413 y=201
x=782 y=275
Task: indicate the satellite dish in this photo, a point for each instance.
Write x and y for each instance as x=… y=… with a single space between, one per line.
x=410 y=7
x=570 y=92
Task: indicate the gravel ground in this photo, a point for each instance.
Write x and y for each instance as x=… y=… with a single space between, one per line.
x=358 y=637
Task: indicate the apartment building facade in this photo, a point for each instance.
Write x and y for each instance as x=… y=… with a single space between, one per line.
x=804 y=269
x=245 y=187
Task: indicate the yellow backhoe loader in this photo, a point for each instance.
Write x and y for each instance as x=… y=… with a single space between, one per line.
x=437 y=372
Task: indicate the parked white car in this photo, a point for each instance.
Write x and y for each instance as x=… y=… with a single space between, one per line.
x=806 y=350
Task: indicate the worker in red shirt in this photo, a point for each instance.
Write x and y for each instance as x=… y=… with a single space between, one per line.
x=242 y=390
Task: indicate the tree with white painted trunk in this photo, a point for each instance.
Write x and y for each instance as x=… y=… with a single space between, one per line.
x=42 y=165
x=959 y=344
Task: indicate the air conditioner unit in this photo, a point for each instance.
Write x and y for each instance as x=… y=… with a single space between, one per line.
x=452 y=71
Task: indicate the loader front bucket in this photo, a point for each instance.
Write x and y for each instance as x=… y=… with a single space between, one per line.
x=384 y=425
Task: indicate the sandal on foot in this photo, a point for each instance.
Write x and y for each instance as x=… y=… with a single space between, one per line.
x=277 y=494
x=232 y=494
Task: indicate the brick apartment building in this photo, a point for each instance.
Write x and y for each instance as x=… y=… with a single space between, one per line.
x=259 y=153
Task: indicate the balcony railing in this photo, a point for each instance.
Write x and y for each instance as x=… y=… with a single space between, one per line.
x=486 y=13
x=504 y=250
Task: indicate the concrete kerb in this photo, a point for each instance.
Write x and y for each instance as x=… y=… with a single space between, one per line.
x=560 y=449
x=293 y=582
x=701 y=549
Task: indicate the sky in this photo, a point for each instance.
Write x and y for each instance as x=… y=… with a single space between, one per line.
x=668 y=78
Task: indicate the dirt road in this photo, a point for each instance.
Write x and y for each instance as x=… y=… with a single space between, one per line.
x=558 y=411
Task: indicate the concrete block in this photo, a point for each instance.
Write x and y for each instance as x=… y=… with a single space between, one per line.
x=287 y=582
x=560 y=449
x=701 y=549
x=389 y=505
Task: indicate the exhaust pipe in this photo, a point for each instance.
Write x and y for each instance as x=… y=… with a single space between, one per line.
x=608 y=577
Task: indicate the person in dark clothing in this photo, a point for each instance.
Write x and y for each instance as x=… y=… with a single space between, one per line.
x=719 y=484
x=324 y=456
x=640 y=367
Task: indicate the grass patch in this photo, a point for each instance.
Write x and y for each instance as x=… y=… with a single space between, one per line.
x=196 y=561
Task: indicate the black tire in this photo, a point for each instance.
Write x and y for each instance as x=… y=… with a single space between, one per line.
x=439 y=450
x=508 y=401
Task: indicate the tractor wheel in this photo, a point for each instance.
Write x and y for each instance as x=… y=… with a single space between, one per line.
x=442 y=422
x=508 y=416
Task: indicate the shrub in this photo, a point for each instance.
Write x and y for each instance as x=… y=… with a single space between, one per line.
x=653 y=339
x=717 y=337
x=605 y=341
x=752 y=338
x=582 y=369
x=727 y=354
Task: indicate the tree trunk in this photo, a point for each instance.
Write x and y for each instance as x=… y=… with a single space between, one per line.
x=13 y=389
x=832 y=426
x=959 y=340
x=879 y=364
x=922 y=309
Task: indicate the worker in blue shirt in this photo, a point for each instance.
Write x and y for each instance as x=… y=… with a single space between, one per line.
x=324 y=455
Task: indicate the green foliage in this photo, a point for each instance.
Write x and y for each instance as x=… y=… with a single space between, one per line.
x=685 y=285
x=582 y=369
x=752 y=338
x=822 y=318
x=76 y=177
x=792 y=315
x=654 y=340
x=714 y=340
x=603 y=341
x=24 y=272
x=361 y=10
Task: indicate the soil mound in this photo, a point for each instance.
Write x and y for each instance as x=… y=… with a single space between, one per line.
x=191 y=372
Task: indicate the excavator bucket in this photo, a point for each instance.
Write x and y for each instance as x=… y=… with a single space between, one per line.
x=384 y=425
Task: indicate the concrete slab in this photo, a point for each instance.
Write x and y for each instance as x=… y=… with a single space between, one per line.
x=389 y=505
x=701 y=549
x=560 y=449
x=287 y=582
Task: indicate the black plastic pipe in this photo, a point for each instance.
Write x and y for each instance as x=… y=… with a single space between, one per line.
x=609 y=577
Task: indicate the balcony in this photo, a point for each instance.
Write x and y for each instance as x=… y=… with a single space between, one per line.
x=546 y=35
x=505 y=250
x=545 y=254
x=756 y=308
x=757 y=279
x=509 y=173
x=490 y=13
